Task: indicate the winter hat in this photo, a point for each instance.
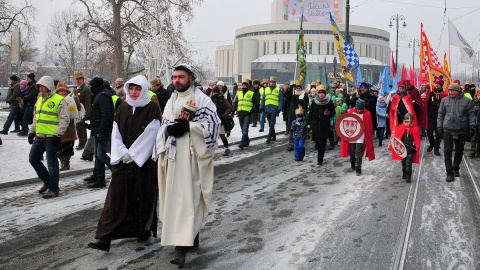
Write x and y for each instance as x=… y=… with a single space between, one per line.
x=455 y=87
x=344 y=107
x=313 y=91
x=62 y=86
x=216 y=89
x=220 y=83
x=246 y=84
x=23 y=85
x=381 y=99
x=187 y=68
x=456 y=81
x=298 y=90
x=155 y=81
x=31 y=76
x=340 y=96
x=96 y=83
x=439 y=81
x=360 y=104
x=78 y=74
x=14 y=78
x=366 y=85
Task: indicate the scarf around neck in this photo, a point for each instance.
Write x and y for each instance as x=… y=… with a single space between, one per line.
x=322 y=101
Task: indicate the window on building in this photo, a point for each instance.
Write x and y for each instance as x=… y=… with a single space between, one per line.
x=310 y=45
x=333 y=48
x=283 y=50
x=288 y=47
x=275 y=47
x=328 y=48
x=319 y=52
x=264 y=48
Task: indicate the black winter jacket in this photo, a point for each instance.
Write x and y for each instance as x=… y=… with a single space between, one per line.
x=102 y=114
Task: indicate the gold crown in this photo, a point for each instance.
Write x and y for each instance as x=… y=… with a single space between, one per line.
x=78 y=74
x=299 y=111
x=264 y=80
x=246 y=80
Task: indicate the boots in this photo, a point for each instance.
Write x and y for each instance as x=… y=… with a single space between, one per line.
x=91 y=179
x=352 y=165
x=101 y=244
x=436 y=152
x=65 y=163
x=409 y=177
x=404 y=174
x=358 y=171
x=430 y=148
x=100 y=183
x=331 y=146
x=227 y=152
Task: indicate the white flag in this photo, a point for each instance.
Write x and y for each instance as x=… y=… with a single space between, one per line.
x=468 y=55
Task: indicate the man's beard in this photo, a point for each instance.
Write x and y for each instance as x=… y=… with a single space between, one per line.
x=182 y=88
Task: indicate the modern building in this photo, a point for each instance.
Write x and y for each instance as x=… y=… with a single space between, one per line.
x=260 y=51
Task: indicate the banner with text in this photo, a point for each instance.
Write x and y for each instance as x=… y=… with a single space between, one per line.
x=314 y=10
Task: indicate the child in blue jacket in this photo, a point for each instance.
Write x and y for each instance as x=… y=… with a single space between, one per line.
x=299 y=131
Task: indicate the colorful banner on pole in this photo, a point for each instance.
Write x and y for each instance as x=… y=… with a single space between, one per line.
x=301 y=54
x=314 y=10
x=348 y=57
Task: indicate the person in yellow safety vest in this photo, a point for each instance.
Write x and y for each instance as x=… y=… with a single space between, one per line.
x=153 y=97
x=244 y=103
x=271 y=104
x=49 y=124
x=262 y=113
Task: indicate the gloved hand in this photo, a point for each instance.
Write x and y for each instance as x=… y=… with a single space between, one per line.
x=440 y=132
x=57 y=140
x=31 y=138
x=127 y=159
x=298 y=123
x=309 y=127
x=99 y=138
x=326 y=113
x=178 y=129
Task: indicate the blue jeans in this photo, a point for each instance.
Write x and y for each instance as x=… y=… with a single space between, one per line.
x=244 y=121
x=27 y=117
x=12 y=115
x=299 y=148
x=272 y=118
x=101 y=157
x=262 y=120
x=51 y=176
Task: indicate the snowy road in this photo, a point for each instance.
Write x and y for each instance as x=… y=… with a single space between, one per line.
x=268 y=212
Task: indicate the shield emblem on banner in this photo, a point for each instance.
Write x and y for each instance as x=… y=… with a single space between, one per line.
x=398 y=147
x=349 y=127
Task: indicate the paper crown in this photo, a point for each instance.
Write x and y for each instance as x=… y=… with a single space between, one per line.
x=78 y=74
x=246 y=80
x=299 y=111
x=273 y=78
x=264 y=80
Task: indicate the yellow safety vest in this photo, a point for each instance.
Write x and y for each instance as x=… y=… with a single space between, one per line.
x=272 y=97
x=245 y=103
x=115 y=98
x=46 y=114
x=261 y=91
x=151 y=93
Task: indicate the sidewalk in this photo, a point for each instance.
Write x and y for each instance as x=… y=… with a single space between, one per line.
x=16 y=170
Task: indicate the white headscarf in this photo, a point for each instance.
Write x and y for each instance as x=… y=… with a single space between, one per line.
x=144 y=97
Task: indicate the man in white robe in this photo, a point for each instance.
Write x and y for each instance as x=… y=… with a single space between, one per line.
x=185 y=148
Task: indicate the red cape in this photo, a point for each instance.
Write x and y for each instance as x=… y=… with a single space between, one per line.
x=368 y=142
x=416 y=139
x=393 y=113
x=418 y=99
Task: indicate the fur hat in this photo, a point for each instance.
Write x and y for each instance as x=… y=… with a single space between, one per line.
x=273 y=79
x=78 y=74
x=360 y=104
x=246 y=84
x=256 y=82
x=264 y=80
x=246 y=80
x=62 y=86
x=155 y=81
x=14 y=78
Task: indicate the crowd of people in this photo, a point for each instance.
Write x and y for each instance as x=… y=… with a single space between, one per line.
x=153 y=133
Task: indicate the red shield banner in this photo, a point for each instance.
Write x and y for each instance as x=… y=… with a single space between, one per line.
x=398 y=147
x=349 y=127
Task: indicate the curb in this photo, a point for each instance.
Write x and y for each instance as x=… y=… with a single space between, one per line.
x=37 y=180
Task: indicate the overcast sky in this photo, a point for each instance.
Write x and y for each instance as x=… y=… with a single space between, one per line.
x=215 y=22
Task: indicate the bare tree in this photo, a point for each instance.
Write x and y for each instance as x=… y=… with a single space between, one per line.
x=124 y=23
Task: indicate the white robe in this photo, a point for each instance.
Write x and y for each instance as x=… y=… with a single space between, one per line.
x=185 y=169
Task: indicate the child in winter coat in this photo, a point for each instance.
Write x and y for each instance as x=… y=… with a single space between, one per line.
x=408 y=134
x=382 y=117
x=299 y=131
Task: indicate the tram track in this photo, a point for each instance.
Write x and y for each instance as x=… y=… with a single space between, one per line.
x=405 y=233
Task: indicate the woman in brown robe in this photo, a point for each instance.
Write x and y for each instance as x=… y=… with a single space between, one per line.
x=130 y=206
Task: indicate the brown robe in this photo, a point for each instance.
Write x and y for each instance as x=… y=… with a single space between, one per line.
x=130 y=206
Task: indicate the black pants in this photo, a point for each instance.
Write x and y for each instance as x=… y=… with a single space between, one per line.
x=81 y=133
x=407 y=163
x=356 y=154
x=449 y=142
x=321 y=143
x=432 y=127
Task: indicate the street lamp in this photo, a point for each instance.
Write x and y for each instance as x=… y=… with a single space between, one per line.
x=412 y=44
x=397 y=18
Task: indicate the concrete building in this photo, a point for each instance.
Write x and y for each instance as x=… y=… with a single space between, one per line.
x=260 y=51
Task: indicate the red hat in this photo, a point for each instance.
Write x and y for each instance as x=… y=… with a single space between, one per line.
x=402 y=83
x=439 y=81
x=406 y=82
x=456 y=81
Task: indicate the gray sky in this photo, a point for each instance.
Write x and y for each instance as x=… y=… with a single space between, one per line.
x=215 y=22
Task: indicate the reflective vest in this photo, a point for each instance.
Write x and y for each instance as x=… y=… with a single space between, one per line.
x=245 y=102
x=115 y=98
x=272 y=97
x=151 y=93
x=261 y=91
x=46 y=114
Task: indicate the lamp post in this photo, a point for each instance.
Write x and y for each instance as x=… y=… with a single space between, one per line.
x=412 y=44
x=397 y=18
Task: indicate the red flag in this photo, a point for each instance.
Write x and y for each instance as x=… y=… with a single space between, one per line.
x=394 y=69
x=413 y=77
x=430 y=66
x=404 y=73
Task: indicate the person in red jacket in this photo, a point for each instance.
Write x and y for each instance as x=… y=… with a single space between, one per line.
x=400 y=104
x=364 y=145
x=409 y=135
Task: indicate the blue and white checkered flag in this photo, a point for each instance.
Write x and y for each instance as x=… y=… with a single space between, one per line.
x=350 y=54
